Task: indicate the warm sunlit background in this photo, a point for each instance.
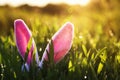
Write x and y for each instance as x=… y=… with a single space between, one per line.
x=88 y=12
x=95 y=52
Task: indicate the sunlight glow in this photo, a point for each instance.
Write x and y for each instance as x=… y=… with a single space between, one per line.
x=43 y=2
x=80 y=2
x=84 y=2
x=80 y=37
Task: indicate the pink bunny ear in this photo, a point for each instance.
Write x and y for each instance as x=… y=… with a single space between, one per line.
x=62 y=41
x=23 y=37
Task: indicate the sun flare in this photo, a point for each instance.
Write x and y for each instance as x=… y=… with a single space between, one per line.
x=84 y=2
x=79 y=2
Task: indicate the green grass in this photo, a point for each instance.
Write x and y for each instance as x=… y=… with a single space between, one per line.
x=95 y=53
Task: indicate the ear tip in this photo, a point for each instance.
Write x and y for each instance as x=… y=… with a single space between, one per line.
x=18 y=21
x=70 y=24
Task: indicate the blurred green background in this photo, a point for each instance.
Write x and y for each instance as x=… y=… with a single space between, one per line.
x=95 y=53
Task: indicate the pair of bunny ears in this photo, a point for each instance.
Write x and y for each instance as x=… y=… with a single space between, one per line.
x=62 y=41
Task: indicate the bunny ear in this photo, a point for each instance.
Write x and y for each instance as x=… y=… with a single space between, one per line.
x=25 y=41
x=62 y=41
x=22 y=36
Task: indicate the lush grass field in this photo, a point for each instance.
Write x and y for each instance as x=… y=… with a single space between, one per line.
x=95 y=53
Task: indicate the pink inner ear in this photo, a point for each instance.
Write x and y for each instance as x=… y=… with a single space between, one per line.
x=23 y=35
x=63 y=38
x=62 y=41
x=59 y=56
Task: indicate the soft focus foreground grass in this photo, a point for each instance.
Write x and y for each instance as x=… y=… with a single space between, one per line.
x=95 y=53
